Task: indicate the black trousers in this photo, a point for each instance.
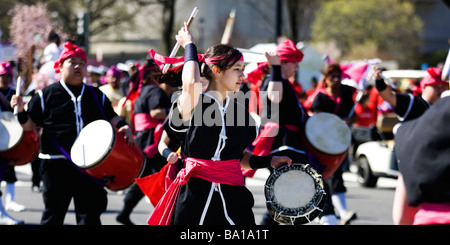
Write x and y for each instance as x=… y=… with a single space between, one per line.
x=62 y=182
x=193 y=198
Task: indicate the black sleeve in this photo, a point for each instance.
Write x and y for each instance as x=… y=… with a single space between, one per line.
x=34 y=109
x=322 y=103
x=158 y=99
x=176 y=123
x=107 y=107
x=102 y=102
x=409 y=107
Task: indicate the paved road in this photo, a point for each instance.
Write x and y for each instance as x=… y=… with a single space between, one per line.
x=372 y=205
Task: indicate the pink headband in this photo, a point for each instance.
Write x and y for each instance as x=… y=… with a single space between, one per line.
x=214 y=60
x=161 y=60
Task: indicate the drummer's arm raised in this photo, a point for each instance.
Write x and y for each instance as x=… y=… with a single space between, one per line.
x=192 y=85
x=385 y=92
x=275 y=86
x=24 y=120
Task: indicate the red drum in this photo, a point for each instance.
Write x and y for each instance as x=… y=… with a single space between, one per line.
x=17 y=145
x=327 y=138
x=105 y=155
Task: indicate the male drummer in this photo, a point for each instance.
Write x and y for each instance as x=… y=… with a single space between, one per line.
x=62 y=110
x=277 y=91
x=406 y=105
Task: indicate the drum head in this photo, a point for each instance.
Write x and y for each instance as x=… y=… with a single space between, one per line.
x=294 y=194
x=10 y=131
x=328 y=133
x=93 y=144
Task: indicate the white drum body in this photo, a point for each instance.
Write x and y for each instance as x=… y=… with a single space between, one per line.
x=294 y=194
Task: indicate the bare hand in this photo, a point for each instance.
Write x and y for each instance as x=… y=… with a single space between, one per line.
x=184 y=37
x=172 y=158
x=128 y=135
x=273 y=58
x=278 y=161
x=377 y=71
x=17 y=100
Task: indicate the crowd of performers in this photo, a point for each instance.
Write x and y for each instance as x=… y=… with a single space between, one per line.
x=198 y=153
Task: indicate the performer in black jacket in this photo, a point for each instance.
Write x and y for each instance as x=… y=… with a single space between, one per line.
x=62 y=110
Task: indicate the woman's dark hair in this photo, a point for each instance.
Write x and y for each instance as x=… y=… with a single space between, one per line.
x=171 y=77
x=330 y=69
x=225 y=57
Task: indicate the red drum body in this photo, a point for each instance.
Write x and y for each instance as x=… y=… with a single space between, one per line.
x=17 y=145
x=105 y=155
x=327 y=138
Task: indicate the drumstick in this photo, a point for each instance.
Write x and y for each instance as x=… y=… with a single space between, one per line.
x=243 y=50
x=384 y=77
x=18 y=85
x=177 y=45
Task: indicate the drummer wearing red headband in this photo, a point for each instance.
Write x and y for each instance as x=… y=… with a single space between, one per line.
x=281 y=108
x=211 y=188
x=62 y=110
x=407 y=106
x=416 y=166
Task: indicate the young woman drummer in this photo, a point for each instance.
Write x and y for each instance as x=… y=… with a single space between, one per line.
x=210 y=190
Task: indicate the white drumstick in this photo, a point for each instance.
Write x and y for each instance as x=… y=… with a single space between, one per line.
x=177 y=45
x=18 y=85
x=384 y=77
x=243 y=50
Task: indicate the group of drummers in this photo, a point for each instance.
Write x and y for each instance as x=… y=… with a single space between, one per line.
x=190 y=151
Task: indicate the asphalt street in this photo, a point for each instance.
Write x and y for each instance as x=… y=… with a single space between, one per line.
x=372 y=205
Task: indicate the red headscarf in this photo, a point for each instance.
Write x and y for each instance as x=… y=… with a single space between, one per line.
x=288 y=52
x=433 y=77
x=70 y=50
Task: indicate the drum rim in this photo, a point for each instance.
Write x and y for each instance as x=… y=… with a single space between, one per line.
x=19 y=139
x=106 y=153
x=304 y=210
x=308 y=136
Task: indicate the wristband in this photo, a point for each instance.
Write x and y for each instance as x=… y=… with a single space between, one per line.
x=22 y=117
x=190 y=53
x=121 y=124
x=380 y=85
x=166 y=152
x=260 y=161
x=275 y=73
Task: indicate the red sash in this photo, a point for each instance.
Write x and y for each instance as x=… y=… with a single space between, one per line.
x=263 y=143
x=153 y=185
x=432 y=214
x=223 y=172
x=144 y=121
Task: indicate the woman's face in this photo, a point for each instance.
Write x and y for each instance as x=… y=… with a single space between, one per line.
x=333 y=79
x=233 y=77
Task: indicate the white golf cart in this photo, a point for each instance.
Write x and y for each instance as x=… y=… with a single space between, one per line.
x=375 y=158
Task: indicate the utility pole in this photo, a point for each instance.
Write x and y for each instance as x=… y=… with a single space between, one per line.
x=277 y=20
x=87 y=21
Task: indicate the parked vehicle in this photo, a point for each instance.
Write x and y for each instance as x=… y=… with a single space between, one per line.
x=374 y=156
